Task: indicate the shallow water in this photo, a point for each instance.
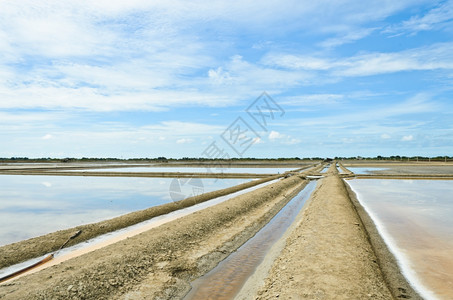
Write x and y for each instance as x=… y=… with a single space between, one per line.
x=122 y=234
x=226 y=280
x=415 y=219
x=364 y=170
x=325 y=169
x=35 y=205
x=191 y=170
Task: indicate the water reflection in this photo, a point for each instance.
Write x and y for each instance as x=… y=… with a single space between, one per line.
x=415 y=218
x=191 y=170
x=34 y=205
x=365 y=170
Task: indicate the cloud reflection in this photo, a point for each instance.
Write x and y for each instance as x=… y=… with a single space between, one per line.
x=34 y=205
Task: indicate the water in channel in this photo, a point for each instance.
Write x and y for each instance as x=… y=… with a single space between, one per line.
x=226 y=280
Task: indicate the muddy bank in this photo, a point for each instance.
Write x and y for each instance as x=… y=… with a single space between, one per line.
x=160 y=262
x=326 y=255
x=35 y=247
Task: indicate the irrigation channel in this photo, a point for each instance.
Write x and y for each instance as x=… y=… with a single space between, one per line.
x=225 y=280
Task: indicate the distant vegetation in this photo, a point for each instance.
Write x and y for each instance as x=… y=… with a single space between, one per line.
x=399 y=158
x=201 y=159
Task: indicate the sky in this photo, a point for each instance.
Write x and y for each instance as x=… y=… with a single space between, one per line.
x=286 y=78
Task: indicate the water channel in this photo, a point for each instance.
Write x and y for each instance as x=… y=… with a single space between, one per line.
x=226 y=280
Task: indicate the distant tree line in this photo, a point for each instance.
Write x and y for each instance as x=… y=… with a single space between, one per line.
x=145 y=159
x=162 y=159
x=398 y=158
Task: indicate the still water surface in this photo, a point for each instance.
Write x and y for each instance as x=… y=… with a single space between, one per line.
x=35 y=205
x=415 y=217
x=364 y=170
x=191 y=170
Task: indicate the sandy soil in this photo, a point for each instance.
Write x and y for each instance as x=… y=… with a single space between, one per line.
x=327 y=254
x=161 y=262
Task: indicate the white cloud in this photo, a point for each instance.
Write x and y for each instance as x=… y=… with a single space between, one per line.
x=407 y=138
x=12 y=118
x=419 y=103
x=47 y=137
x=439 y=17
x=312 y=100
x=292 y=141
x=385 y=136
x=219 y=76
x=101 y=56
x=348 y=37
x=291 y=61
x=257 y=140
x=273 y=135
x=437 y=56
x=184 y=141
x=285 y=139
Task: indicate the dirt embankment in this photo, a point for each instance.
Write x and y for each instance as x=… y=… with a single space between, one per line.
x=344 y=169
x=327 y=254
x=159 y=263
x=35 y=247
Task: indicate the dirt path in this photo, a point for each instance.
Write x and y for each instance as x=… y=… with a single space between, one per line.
x=327 y=255
x=161 y=262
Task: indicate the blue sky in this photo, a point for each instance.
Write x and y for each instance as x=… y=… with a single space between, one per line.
x=168 y=78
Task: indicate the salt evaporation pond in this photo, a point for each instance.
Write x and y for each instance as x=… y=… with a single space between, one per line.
x=190 y=170
x=415 y=219
x=364 y=170
x=31 y=206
